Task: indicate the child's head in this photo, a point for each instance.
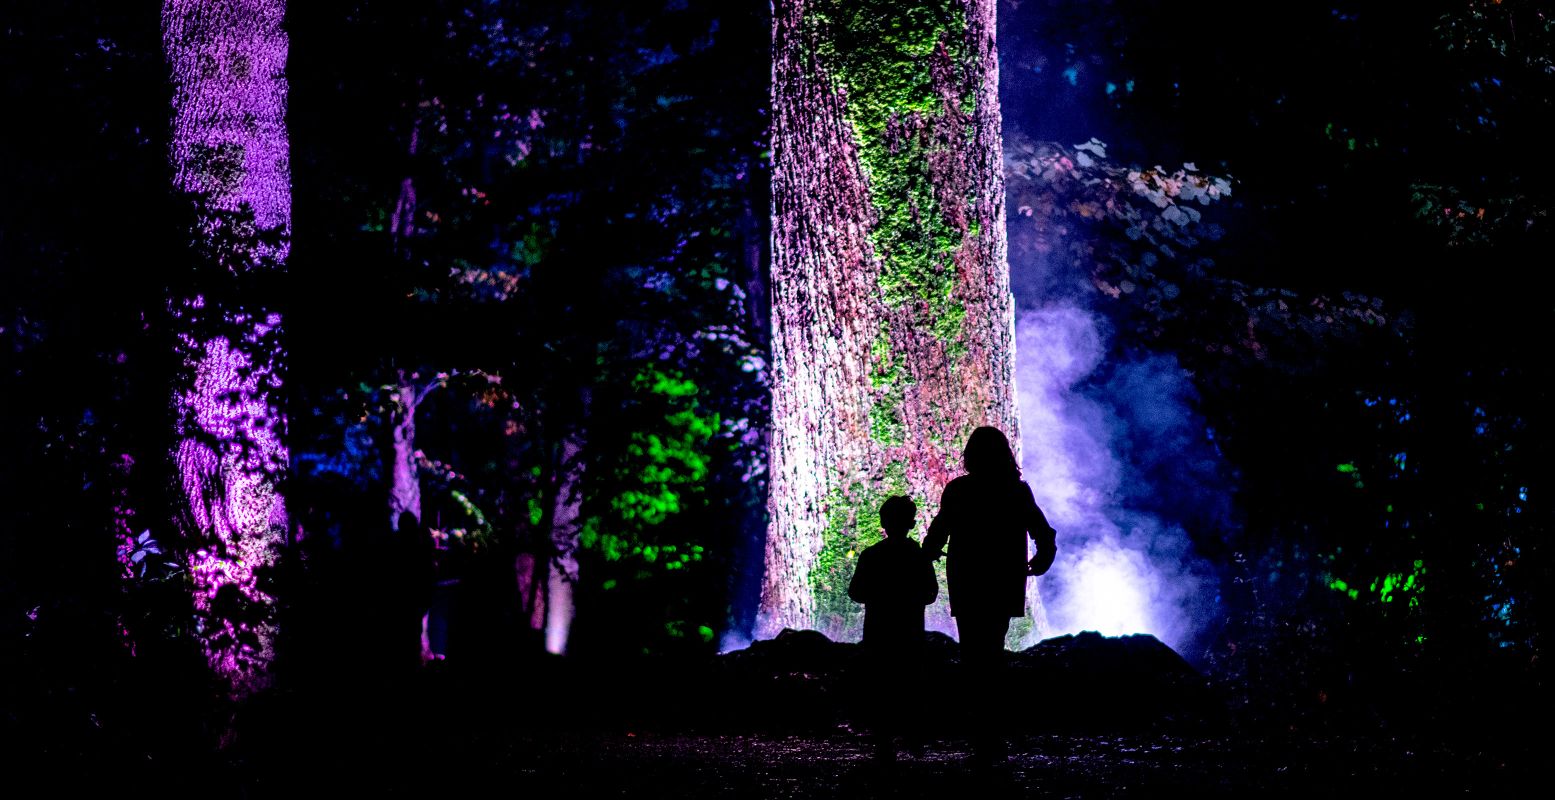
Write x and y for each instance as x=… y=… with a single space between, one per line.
x=897 y=515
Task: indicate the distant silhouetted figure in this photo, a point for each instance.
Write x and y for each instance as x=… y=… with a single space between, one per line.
x=986 y=516
x=894 y=581
x=410 y=580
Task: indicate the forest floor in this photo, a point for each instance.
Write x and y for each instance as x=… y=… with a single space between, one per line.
x=781 y=721
x=397 y=744
x=842 y=765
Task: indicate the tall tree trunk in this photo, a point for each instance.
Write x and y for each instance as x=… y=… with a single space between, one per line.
x=405 y=477
x=229 y=146
x=892 y=319
x=404 y=472
x=566 y=525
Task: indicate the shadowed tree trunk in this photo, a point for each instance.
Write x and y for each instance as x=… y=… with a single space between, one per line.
x=227 y=60
x=892 y=319
x=405 y=470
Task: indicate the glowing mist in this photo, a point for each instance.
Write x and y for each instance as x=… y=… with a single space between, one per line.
x=1120 y=570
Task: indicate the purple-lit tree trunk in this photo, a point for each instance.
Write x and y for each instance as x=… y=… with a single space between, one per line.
x=892 y=317
x=566 y=525
x=547 y=574
x=404 y=471
x=229 y=146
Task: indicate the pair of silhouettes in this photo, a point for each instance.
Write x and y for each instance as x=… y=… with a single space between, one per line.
x=985 y=517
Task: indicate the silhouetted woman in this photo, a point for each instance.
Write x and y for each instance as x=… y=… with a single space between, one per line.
x=986 y=515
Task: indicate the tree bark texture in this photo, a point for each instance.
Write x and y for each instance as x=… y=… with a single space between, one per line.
x=566 y=525
x=404 y=470
x=227 y=61
x=892 y=318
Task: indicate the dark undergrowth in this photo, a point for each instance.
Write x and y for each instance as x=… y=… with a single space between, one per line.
x=1086 y=716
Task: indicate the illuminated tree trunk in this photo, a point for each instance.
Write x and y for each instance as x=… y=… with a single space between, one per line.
x=404 y=470
x=405 y=473
x=566 y=524
x=227 y=60
x=892 y=319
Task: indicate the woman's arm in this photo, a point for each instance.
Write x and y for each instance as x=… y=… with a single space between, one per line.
x=1043 y=534
x=939 y=528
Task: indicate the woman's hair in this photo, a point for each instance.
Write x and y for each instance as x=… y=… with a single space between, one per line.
x=988 y=453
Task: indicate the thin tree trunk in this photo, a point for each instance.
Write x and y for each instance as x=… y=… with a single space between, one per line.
x=758 y=298
x=404 y=472
x=530 y=571
x=229 y=145
x=402 y=223
x=566 y=524
x=892 y=319
x=405 y=477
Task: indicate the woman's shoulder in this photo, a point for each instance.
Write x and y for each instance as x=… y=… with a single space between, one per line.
x=961 y=481
x=965 y=484
x=999 y=481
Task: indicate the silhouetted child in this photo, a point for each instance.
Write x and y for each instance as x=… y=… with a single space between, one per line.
x=894 y=580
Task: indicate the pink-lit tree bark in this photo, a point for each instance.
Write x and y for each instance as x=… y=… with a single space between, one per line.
x=404 y=471
x=229 y=146
x=566 y=523
x=547 y=573
x=892 y=316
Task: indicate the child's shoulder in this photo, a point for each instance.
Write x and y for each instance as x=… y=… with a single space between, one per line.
x=880 y=546
x=894 y=545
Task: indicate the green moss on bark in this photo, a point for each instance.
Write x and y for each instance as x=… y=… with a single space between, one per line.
x=886 y=426
x=881 y=53
x=852 y=524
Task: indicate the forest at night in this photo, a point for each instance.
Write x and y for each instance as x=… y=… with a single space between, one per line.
x=485 y=395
